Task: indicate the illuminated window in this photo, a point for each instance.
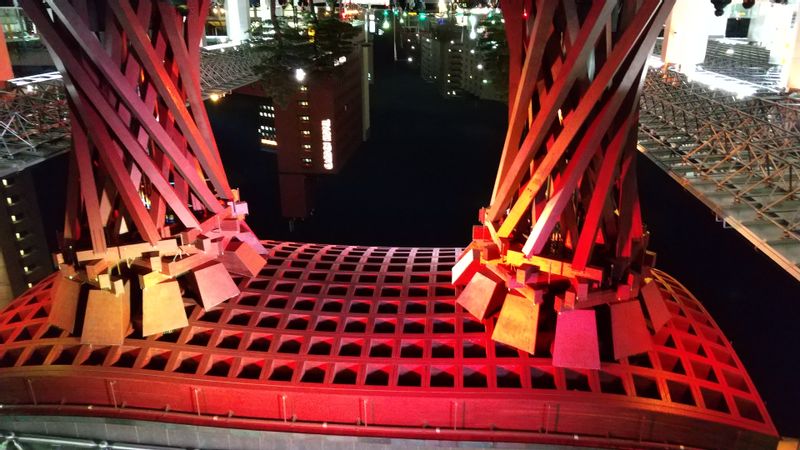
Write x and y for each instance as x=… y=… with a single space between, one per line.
x=303 y=88
x=305 y=118
x=307 y=162
x=303 y=104
x=9 y=201
x=307 y=147
x=5 y=182
x=306 y=132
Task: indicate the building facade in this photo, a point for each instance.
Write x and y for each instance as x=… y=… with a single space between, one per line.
x=318 y=129
x=24 y=254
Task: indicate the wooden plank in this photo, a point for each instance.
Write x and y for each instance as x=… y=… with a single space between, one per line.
x=542 y=29
x=162 y=308
x=629 y=330
x=517 y=322
x=576 y=343
x=593 y=25
x=182 y=265
x=465 y=267
x=482 y=296
x=137 y=37
x=656 y=306
x=65 y=296
x=107 y=317
x=552 y=266
x=600 y=194
x=240 y=258
x=212 y=284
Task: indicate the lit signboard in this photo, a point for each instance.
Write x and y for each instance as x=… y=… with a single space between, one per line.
x=327 y=145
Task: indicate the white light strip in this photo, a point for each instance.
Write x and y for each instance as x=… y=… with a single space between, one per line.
x=327 y=145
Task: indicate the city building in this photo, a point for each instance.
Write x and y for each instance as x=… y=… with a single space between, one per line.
x=25 y=258
x=450 y=59
x=318 y=128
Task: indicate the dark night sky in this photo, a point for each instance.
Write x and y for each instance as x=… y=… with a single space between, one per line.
x=430 y=165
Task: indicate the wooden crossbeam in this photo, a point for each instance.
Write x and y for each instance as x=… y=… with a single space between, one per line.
x=598 y=16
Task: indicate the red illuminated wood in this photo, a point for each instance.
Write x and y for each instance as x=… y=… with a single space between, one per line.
x=575 y=344
x=482 y=296
x=162 y=308
x=656 y=307
x=107 y=317
x=65 y=303
x=146 y=170
x=517 y=322
x=629 y=330
x=564 y=217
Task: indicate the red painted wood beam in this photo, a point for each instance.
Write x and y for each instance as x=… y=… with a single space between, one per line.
x=79 y=31
x=138 y=38
x=542 y=28
x=598 y=16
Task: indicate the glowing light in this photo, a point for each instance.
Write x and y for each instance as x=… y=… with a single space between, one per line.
x=327 y=145
x=485 y=81
x=473 y=35
x=214 y=97
x=729 y=51
x=269 y=142
x=410 y=59
x=5 y=182
x=385 y=25
x=480 y=66
x=716 y=81
x=299 y=75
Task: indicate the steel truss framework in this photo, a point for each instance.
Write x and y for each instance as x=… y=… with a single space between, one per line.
x=741 y=60
x=34 y=124
x=741 y=157
x=369 y=341
x=34 y=114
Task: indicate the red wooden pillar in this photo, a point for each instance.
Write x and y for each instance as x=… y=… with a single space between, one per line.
x=563 y=230
x=150 y=203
